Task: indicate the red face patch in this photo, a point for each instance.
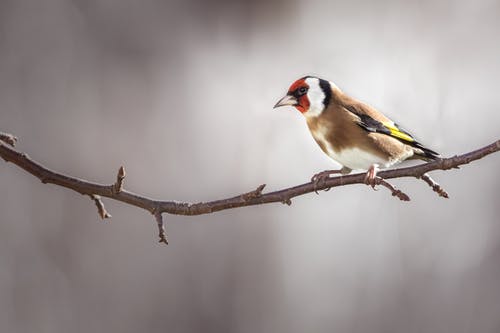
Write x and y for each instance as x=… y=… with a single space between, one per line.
x=298 y=89
x=296 y=85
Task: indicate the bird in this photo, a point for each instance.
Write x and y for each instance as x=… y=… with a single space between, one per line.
x=351 y=132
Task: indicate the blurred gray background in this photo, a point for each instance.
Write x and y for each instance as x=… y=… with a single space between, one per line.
x=181 y=93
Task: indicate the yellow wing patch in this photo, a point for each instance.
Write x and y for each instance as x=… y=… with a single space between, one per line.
x=397 y=133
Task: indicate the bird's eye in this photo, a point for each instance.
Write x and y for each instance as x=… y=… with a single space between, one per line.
x=302 y=90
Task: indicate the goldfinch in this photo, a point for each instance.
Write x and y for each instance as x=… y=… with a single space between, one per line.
x=352 y=133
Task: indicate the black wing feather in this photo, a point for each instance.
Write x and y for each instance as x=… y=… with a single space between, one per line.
x=372 y=125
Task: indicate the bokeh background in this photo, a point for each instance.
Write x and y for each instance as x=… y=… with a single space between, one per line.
x=181 y=92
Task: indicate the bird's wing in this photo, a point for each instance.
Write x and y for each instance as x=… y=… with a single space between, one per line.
x=373 y=121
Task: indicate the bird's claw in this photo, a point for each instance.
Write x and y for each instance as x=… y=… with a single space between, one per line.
x=320 y=178
x=371 y=178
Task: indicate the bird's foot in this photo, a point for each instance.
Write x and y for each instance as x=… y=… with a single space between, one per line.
x=371 y=176
x=320 y=178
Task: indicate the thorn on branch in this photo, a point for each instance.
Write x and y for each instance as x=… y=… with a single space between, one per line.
x=161 y=227
x=8 y=138
x=395 y=192
x=118 y=185
x=101 y=210
x=254 y=194
x=435 y=186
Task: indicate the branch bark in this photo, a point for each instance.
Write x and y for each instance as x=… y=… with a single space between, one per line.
x=116 y=191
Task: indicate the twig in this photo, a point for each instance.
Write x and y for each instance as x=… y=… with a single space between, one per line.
x=101 y=210
x=435 y=186
x=395 y=192
x=253 y=194
x=118 y=186
x=256 y=197
x=161 y=227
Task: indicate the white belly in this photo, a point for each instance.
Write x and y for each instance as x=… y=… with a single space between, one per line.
x=353 y=158
x=357 y=159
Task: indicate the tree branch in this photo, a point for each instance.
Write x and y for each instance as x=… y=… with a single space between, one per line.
x=256 y=197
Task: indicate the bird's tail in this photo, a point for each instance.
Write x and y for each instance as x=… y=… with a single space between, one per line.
x=424 y=153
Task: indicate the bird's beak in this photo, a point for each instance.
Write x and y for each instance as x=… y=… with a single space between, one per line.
x=287 y=100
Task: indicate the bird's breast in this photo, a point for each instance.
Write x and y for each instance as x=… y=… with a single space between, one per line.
x=349 y=155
